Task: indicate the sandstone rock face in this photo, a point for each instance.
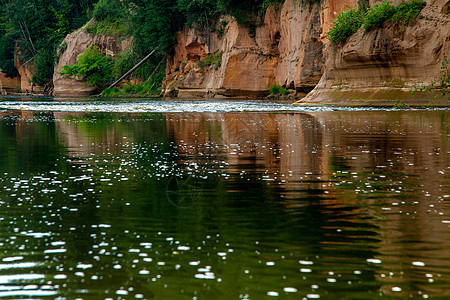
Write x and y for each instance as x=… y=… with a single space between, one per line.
x=25 y=77
x=389 y=63
x=246 y=67
x=286 y=48
x=22 y=82
x=74 y=45
x=8 y=85
x=290 y=48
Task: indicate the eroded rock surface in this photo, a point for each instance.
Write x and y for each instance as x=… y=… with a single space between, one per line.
x=8 y=85
x=389 y=63
x=287 y=48
x=290 y=48
x=74 y=45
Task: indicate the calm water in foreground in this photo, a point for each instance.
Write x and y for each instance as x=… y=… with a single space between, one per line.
x=242 y=200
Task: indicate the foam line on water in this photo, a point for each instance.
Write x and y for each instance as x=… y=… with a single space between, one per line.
x=174 y=106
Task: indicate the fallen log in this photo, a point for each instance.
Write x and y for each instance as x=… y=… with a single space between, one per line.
x=131 y=70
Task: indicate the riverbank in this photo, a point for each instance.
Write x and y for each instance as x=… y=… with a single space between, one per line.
x=375 y=97
x=230 y=204
x=381 y=66
x=142 y=104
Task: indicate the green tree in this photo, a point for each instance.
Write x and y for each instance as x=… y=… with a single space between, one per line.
x=199 y=11
x=32 y=29
x=345 y=25
x=154 y=24
x=95 y=67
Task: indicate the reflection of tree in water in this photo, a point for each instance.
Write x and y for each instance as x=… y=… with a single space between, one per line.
x=301 y=216
x=245 y=201
x=29 y=142
x=35 y=171
x=182 y=192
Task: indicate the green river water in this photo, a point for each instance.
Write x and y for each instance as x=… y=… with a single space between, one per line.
x=148 y=199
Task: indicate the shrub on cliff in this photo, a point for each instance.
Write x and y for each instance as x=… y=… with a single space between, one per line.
x=349 y=21
x=278 y=90
x=214 y=60
x=30 y=31
x=345 y=25
x=407 y=12
x=445 y=77
x=95 y=67
x=403 y=14
x=441 y=83
x=378 y=15
x=111 y=18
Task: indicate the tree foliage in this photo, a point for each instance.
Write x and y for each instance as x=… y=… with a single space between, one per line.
x=385 y=13
x=345 y=25
x=350 y=20
x=278 y=90
x=32 y=29
x=95 y=67
x=111 y=18
x=199 y=11
x=154 y=23
x=109 y=10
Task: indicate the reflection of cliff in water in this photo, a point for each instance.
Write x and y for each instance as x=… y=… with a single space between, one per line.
x=28 y=145
x=108 y=134
x=387 y=169
x=342 y=185
x=91 y=133
x=404 y=158
x=295 y=145
x=281 y=144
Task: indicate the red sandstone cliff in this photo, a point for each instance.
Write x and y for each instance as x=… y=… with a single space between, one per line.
x=75 y=44
x=290 y=48
x=390 y=63
x=287 y=49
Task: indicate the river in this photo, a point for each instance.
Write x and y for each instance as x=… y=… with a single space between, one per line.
x=150 y=199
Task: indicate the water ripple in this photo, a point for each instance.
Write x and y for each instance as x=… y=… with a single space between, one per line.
x=141 y=106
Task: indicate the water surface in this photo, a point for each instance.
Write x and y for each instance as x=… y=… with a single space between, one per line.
x=244 y=200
